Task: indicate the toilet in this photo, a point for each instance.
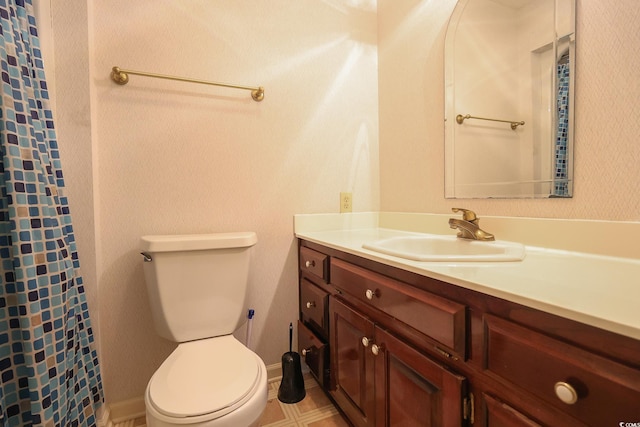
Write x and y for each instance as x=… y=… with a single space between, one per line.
x=197 y=286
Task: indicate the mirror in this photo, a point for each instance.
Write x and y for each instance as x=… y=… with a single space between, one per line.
x=509 y=86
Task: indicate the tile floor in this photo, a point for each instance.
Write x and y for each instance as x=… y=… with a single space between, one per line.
x=315 y=410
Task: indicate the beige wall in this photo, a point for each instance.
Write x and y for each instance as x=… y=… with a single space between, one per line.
x=411 y=104
x=72 y=113
x=181 y=158
x=163 y=157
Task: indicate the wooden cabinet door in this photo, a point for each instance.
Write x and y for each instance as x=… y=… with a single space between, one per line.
x=352 y=363
x=413 y=390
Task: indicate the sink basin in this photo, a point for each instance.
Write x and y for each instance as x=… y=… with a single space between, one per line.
x=433 y=247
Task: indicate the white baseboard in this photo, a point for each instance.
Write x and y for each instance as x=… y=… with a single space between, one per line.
x=274 y=371
x=103 y=417
x=124 y=411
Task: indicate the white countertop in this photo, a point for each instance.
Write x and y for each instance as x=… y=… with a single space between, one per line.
x=597 y=290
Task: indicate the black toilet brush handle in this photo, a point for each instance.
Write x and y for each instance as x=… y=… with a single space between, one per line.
x=290 y=337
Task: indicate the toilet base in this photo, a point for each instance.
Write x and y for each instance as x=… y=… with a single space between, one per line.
x=247 y=415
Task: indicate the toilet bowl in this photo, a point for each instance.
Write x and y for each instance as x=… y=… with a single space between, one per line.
x=215 y=382
x=197 y=286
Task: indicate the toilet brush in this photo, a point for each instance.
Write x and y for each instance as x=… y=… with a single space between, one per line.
x=292 y=385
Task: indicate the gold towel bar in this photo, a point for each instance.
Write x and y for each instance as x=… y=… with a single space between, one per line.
x=121 y=77
x=460 y=119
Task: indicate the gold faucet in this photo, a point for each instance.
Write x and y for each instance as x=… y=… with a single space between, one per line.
x=468 y=227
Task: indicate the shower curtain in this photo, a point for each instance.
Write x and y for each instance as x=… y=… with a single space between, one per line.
x=561 y=184
x=49 y=373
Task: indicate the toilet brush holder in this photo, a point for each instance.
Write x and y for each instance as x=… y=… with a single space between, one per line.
x=292 y=385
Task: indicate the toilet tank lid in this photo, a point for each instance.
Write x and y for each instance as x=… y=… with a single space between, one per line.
x=198 y=242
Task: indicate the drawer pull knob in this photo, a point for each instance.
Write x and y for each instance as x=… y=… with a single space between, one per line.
x=566 y=392
x=306 y=351
x=375 y=349
x=370 y=294
x=310 y=264
x=311 y=304
x=366 y=341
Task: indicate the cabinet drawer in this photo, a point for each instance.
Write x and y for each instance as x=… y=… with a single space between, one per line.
x=500 y=414
x=313 y=305
x=314 y=352
x=605 y=391
x=314 y=263
x=439 y=318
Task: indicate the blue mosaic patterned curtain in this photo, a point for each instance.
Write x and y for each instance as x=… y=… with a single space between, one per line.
x=49 y=372
x=561 y=184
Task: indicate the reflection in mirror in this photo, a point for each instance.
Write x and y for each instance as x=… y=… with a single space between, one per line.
x=509 y=79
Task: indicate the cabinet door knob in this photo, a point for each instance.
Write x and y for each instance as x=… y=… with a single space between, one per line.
x=311 y=304
x=306 y=351
x=310 y=264
x=366 y=341
x=566 y=392
x=370 y=294
x=375 y=349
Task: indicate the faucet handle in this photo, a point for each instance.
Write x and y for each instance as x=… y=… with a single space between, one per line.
x=467 y=215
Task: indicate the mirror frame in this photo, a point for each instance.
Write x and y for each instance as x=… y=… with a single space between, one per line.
x=559 y=159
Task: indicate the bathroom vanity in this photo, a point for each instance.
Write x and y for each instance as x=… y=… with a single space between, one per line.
x=397 y=342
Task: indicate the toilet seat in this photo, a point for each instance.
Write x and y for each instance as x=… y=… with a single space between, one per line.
x=205 y=378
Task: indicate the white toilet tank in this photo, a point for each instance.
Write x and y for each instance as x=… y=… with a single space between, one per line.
x=197 y=283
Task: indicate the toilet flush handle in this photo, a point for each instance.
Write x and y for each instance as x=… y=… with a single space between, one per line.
x=147 y=257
